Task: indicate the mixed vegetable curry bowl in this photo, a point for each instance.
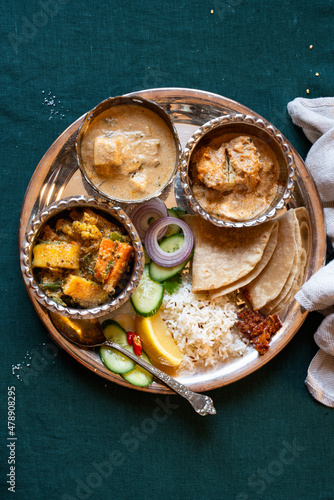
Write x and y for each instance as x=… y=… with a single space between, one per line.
x=82 y=257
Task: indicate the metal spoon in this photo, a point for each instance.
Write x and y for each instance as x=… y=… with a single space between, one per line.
x=89 y=333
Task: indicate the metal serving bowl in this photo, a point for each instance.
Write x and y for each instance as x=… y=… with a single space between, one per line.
x=111 y=212
x=249 y=125
x=119 y=101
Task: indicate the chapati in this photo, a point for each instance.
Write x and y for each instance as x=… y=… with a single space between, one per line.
x=224 y=255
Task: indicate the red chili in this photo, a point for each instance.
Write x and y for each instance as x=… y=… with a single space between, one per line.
x=129 y=337
x=135 y=340
x=137 y=345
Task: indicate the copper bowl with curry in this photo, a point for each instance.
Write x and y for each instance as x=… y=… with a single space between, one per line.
x=81 y=257
x=128 y=149
x=237 y=170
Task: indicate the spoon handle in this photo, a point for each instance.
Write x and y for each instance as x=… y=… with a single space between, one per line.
x=201 y=404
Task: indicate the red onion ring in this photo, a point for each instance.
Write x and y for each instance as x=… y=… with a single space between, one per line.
x=153 y=249
x=141 y=214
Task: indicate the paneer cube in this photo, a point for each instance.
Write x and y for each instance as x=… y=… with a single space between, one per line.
x=86 y=293
x=150 y=147
x=108 y=153
x=146 y=152
x=56 y=255
x=139 y=181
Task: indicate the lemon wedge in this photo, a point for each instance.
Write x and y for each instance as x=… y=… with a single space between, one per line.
x=157 y=340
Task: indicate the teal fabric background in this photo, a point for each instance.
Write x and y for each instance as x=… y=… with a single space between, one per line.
x=79 y=437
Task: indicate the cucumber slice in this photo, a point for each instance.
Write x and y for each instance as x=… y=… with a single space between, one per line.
x=113 y=331
x=147 y=257
x=173 y=228
x=159 y=273
x=173 y=212
x=172 y=243
x=147 y=298
x=139 y=376
x=180 y=211
x=116 y=361
x=119 y=363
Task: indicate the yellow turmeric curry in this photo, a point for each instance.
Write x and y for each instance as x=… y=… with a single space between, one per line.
x=81 y=257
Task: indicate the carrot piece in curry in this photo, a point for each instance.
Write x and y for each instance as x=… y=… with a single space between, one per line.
x=112 y=260
x=123 y=255
x=105 y=259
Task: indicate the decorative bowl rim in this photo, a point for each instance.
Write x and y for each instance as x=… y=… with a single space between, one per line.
x=119 y=100
x=215 y=123
x=32 y=232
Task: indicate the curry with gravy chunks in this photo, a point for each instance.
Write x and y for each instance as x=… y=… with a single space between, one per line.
x=235 y=176
x=81 y=257
x=128 y=152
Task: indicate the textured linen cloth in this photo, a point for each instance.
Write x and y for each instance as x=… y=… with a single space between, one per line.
x=316 y=117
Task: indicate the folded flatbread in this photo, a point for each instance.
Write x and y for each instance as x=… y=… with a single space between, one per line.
x=267 y=254
x=224 y=255
x=279 y=277
x=305 y=227
x=296 y=276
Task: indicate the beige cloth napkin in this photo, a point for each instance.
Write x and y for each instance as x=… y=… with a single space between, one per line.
x=316 y=117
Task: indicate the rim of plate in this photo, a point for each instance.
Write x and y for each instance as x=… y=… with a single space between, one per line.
x=173 y=99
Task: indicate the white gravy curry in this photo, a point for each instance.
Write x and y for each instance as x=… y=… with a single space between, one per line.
x=235 y=176
x=129 y=152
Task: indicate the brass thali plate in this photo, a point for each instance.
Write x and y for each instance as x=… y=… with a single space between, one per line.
x=58 y=176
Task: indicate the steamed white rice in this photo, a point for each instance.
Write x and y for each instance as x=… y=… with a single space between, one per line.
x=202 y=328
